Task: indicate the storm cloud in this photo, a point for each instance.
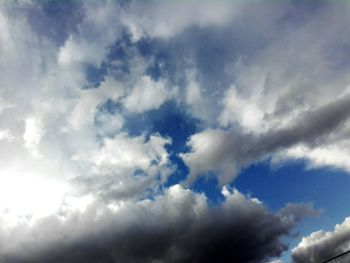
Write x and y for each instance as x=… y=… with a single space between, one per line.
x=178 y=226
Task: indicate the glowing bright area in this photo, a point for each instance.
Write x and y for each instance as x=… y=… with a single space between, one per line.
x=25 y=193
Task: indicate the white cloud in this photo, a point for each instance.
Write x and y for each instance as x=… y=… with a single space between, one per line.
x=323 y=245
x=39 y=196
x=147 y=94
x=166 y=19
x=122 y=152
x=335 y=156
x=89 y=45
x=33 y=133
x=86 y=103
x=125 y=167
x=5 y=135
x=238 y=110
x=193 y=90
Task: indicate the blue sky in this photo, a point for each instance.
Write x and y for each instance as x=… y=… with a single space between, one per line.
x=177 y=131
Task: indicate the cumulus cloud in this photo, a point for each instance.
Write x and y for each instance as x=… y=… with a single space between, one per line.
x=178 y=226
x=125 y=167
x=228 y=152
x=147 y=94
x=323 y=245
x=271 y=91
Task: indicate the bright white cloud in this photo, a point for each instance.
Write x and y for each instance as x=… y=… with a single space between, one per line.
x=5 y=135
x=147 y=94
x=33 y=133
x=87 y=101
x=125 y=167
x=122 y=152
x=238 y=110
x=333 y=156
x=26 y=195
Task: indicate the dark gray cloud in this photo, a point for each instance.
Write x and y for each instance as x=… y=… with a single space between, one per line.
x=178 y=226
x=299 y=211
x=323 y=245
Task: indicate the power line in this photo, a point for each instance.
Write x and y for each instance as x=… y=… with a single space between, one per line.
x=340 y=255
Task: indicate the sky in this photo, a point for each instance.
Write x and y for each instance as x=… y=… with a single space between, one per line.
x=174 y=131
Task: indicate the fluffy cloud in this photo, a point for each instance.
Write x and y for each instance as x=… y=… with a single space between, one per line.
x=125 y=167
x=178 y=226
x=264 y=113
x=323 y=245
x=147 y=94
x=227 y=152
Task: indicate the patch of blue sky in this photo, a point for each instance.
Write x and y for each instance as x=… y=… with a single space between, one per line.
x=115 y=64
x=95 y=75
x=169 y=121
x=208 y=184
x=327 y=189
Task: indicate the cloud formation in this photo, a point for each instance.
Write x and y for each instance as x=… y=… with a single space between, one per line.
x=227 y=152
x=178 y=226
x=323 y=245
x=80 y=181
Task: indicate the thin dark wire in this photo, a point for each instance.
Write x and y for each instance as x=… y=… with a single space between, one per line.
x=343 y=254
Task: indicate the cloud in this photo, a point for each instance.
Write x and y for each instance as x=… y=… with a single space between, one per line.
x=228 y=152
x=147 y=94
x=32 y=136
x=298 y=211
x=5 y=135
x=323 y=245
x=333 y=156
x=178 y=226
x=165 y=20
x=271 y=89
x=125 y=167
